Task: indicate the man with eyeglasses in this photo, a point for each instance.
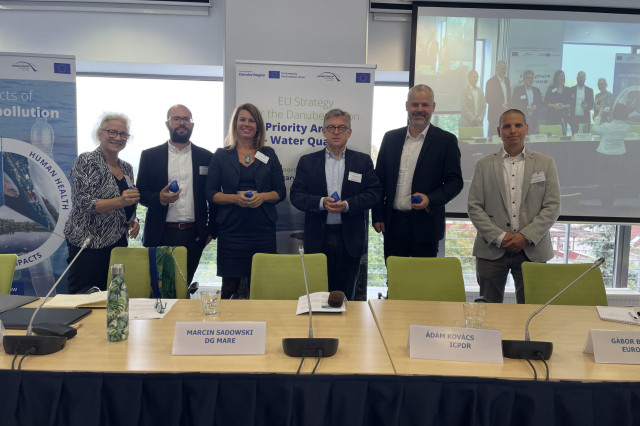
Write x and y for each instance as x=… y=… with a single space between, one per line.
x=183 y=217
x=336 y=187
x=419 y=169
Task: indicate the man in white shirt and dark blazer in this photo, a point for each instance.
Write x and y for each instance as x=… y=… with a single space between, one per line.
x=182 y=218
x=514 y=199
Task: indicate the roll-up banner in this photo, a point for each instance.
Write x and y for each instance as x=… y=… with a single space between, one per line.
x=38 y=145
x=293 y=98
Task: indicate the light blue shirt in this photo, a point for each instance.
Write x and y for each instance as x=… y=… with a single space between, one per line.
x=334 y=172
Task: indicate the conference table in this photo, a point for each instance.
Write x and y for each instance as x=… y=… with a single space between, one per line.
x=148 y=348
x=371 y=380
x=567 y=327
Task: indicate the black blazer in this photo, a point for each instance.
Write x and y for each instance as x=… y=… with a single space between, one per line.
x=224 y=176
x=153 y=175
x=520 y=101
x=495 y=97
x=437 y=174
x=310 y=185
x=588 y=98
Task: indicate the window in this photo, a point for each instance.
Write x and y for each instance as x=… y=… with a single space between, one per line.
x=573 y=243
x=145 y=102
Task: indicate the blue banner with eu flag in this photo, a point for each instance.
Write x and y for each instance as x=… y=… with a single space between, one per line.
x=38 y=145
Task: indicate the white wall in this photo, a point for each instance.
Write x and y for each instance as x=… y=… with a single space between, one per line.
x=389 y=43
x=327 y=31
x=117 y=37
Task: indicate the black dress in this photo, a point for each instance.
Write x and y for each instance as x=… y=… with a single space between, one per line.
x=553 y=96
x=245 y=232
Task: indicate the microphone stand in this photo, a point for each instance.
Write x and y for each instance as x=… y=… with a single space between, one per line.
x=39 y=345
x=310 y=346
x=530 y=349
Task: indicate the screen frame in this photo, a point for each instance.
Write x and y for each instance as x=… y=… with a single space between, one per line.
x=417 y=5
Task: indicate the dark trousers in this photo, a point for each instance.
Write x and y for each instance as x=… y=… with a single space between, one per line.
x=492 y=276
x=91 y=269
x=342 y=268
x=186 y=238
x=575 y=122
x=400 y=240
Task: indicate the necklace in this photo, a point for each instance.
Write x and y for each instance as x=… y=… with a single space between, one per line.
x=247 y=159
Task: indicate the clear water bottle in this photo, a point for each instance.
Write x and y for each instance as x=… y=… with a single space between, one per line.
x=42 y=136
x=42 y=277
x=117 y=306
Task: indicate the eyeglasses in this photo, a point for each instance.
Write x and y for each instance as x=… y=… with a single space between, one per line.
x=340 y=129
x=114 y=133
x=178 y=120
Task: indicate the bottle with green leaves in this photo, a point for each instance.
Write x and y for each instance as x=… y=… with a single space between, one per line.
x=117 y=306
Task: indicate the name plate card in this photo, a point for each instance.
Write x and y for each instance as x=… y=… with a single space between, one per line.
x=455 y=344
x=613 y=346
x=220 y=338
x=538 y=137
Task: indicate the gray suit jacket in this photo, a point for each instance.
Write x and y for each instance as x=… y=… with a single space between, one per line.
x=470 y=111
x=539 y=209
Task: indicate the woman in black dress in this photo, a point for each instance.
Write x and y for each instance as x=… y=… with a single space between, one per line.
x=558 y=101
x=245 y=181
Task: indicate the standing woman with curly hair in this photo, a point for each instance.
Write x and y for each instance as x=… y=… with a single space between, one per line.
x=104 y=205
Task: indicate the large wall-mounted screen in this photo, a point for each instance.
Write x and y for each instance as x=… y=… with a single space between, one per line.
x=575 y=73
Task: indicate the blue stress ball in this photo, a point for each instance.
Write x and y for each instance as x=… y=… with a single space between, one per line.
x=335 y=196
x=416 y=199
x=173 y=186
x=248 y=194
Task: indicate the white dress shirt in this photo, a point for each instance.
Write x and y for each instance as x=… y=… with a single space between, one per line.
x=408 y=161
x=503 y=84
x=513 y=175
x=181 y=169
x=579 y=100
x=474 y=94
x=334 y=172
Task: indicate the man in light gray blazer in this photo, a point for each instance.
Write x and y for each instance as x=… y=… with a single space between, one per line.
x=514 y=199
x=472 y=103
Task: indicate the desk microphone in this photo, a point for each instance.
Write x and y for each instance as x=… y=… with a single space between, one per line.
x=310 y=346
x=529 y=349
x=45 y=344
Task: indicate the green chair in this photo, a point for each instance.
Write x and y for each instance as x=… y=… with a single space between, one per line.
x=634 y=128
x=280 y=277
x=136 y=270
x=542 y=281
x=425 y=278
x=584 y=127
x=7 y=266
x=550 y=129
x=470 y=132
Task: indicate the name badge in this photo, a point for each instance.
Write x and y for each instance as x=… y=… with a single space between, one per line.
x=455 y=344
x=129 y=181
x=523 y=97
x=355 y=177
x=204 y=170
x=537 y=177
x=220 y=338
x=260 y=156
x=613 y=346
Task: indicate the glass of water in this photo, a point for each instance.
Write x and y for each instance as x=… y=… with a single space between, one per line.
x=473 y=314
x=210 y=301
